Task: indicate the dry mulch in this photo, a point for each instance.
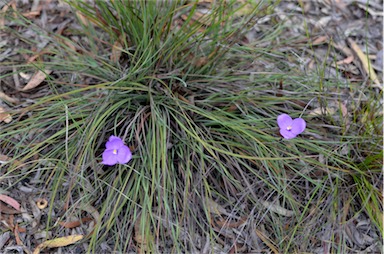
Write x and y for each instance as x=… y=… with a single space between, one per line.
x=341 y=34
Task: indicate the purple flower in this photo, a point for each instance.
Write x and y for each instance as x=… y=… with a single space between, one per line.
x=290 y=128
x=116 y=152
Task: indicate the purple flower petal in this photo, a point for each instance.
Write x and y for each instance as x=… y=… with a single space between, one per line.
x=113 y=138
x=298 y=126
x=124 y=155
x=109 y=157
x=290 y=128
x=114 y=143
x=287 y=134
x=284 y=121
x=116 y=152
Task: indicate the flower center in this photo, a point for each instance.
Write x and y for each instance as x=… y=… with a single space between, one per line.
x=289 y=128
x=114 y=151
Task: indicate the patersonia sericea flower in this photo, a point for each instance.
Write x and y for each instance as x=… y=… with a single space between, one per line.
x=116 y=152
x=290 y=128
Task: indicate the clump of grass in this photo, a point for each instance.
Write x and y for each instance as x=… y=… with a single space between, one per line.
x=207 y=152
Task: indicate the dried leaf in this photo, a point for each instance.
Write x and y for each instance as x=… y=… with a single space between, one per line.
x=246 y=9
x=83 y=19
x=344 y=109
x=4 y=238
x=6 y=117
x=5 y=159
x=221 y=222
x=74 y=224
x=36 y=80
x=320 y=40
x=347 y=60
x=201 y=61
x=7 y=210
x=37 y=5
x=3 y=11
x=31 y=14
x=140 y=239
x=58 y=242
x=321 y=111
x=5 y=97
x=24 y=75
x=21 y=230
x=10 y=201
x=367 y=65
x=70 y=44
x=17 y=236
x=91 y=210
x=214 y=207
x=47 y=50
x=116 y=50
x=277 y=209
x=323 y=22
x=267 y=241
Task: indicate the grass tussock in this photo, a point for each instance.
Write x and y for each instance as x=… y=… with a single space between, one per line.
x=209 y=170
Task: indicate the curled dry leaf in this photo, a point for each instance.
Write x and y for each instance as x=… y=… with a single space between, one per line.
x=36 y=79
x=58 y=242
x=41 y=203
